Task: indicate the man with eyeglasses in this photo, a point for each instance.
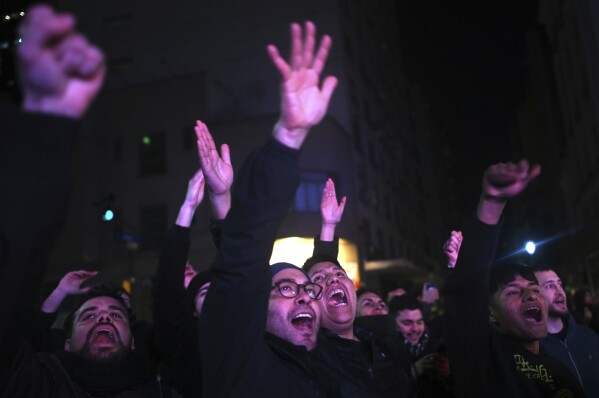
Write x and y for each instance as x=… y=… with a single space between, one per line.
x=263 y=321
x=292 y=310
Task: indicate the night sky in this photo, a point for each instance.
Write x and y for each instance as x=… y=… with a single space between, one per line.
x=469 y=60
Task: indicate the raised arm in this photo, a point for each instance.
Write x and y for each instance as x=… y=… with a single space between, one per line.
x=237 y=302
x=60 y=72
x=35 y=162
x=173 y=316
x=466 y=285
x=193 y=198
x=330 y=211
x=303 y=102
x=69 y=285
x=217 y=170
x=501 y=182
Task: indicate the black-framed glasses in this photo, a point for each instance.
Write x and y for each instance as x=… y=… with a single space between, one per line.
x=290 y=289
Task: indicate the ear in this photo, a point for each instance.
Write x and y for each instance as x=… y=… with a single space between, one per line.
x=67 y=345
x=492 y=319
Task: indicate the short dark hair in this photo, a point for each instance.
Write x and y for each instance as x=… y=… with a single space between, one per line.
x=364 y=290
x=544 y=268
x=97 y=291
x=320 y=258
x=504 y=273
x=401 y=303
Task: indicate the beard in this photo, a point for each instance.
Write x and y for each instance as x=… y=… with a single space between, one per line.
x=553 y=313
x=112 y=356
x=105 y=357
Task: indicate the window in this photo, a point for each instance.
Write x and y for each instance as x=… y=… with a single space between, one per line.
x=309 y=192
x=153 y=225
x=152 y=154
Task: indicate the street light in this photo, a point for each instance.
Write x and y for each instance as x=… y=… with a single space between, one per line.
x=530 y=247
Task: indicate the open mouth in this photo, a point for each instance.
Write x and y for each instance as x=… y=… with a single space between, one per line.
x=533 y=314
x=303 y=321
x=103 y=335
x=560 y=300
x=337 y=298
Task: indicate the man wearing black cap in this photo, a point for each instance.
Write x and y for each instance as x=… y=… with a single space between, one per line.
x=263 y=321
x=496 y=314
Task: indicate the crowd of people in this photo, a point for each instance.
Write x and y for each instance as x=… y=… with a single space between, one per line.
x=247 y=327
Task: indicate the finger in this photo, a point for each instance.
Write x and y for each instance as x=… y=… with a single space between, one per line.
x=93 y=62
x=42 y=26
x=71 y=53
x=279 y=62
x=225 y=153
x=322 y=54
x=85 y=289
x=309 y=41
x=203 y=150
x=534 y=173
x=328 y=86
x=296 y=46
x=197 y=177
x=342 y=205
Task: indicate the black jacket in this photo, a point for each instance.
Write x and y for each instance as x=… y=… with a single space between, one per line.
x=237 y=361
x=484 y=362
x=35 y=171
x=579 y=352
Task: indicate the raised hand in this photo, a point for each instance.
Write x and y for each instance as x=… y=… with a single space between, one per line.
x=504 y=181
x=330 y=210
x=218 y=170
x=70 y=284
x=501 y=182
x=60 y=72
x=72 y=281
x=451 y=248
x=193 y=198
x=303 y=102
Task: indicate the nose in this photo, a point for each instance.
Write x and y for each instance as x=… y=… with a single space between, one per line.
x=302 y=297
x=531 y=294
x=332 y=278
x=104 y=317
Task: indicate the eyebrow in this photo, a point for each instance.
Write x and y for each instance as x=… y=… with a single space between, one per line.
x=552 y=281
x=88 y=309
x=291 y=280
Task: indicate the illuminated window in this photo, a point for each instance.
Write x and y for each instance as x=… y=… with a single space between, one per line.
x=309 y=192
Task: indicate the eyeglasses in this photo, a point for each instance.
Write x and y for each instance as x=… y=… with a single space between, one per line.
x=291 y=289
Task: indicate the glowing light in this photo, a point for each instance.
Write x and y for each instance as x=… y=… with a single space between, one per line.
x=7 y=17
x=530 y=247
x=108 y=215
x=22 y=13
x=146 y=140
x=296 y=250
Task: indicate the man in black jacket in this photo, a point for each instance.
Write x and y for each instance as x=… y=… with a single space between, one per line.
x=60 y=74
x=576 y=346
x=496 y=316
x=262 y=323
